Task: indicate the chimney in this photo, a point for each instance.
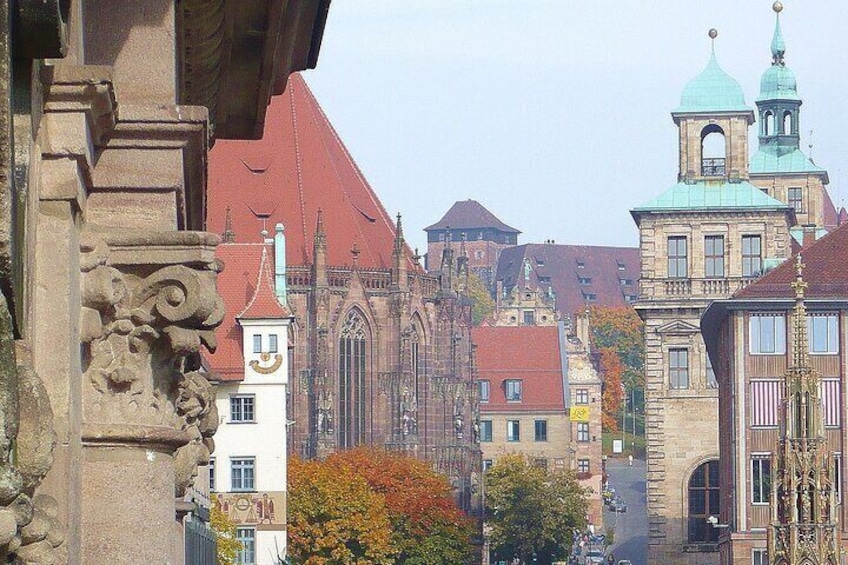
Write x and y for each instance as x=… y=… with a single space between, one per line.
x=809 y=235
x=280 y=264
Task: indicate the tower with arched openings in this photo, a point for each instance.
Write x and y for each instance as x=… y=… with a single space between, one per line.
x=707 y=236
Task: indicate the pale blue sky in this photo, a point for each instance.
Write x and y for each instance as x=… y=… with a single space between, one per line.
x=555 y=114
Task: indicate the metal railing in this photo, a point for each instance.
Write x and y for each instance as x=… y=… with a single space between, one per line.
x=201 y=547
x=713 y=167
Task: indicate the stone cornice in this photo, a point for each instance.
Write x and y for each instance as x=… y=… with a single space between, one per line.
x=82 y=88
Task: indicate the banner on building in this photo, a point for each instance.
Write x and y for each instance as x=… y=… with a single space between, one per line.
x=579 y=413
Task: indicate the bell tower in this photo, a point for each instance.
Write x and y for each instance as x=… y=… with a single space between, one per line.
x=713 y=122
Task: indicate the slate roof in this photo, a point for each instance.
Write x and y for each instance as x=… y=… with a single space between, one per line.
x=527 y=353
x=297 y=168
x=470 y=214
x=825 y=271
x=604 y=267
x=711 y=195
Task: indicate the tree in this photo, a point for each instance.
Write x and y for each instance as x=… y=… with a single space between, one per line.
x=334 y=518
x=428 y=527
x=484 y=304
x=620 y=328
x=225 y=530
x=532 y=511
x=613 y=391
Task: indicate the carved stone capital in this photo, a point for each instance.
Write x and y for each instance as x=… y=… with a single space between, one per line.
x=149 y=305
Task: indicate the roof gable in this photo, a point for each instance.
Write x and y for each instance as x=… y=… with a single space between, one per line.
x=264 y=305
x=470 y=214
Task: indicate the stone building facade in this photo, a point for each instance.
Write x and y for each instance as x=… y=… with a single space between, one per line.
x=701 y=240
x=107 y=277
x=381 y=351
x=749 y=337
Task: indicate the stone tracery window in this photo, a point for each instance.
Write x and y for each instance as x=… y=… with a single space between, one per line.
x=352 y=374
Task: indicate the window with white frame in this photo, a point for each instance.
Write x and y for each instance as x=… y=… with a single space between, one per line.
x=247 y=538
x=677 y=258
x=761 y=478
x=483 y=386
x=242 y=408
x=824 y=333
x=513 y=430
x=272 y=343
x=767 y=334
x=211 y=468
x=759 y=556
x=243 y=474
x=486 y=430
x=582 y=396
x=583 y=466
x=257 y=343
x=582 y=431
x=752 y=255
x=678 y=368
x=513 y=390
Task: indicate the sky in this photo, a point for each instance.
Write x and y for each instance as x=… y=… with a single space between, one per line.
x=555 y=114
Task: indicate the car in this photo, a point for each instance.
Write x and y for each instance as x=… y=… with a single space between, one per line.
x=625 y=562
x=617 y=505
x=595 y=557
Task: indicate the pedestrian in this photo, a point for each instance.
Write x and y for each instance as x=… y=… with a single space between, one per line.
x=610 y=558
x=630 y=459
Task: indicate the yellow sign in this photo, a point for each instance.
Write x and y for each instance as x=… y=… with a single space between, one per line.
x=579 y=413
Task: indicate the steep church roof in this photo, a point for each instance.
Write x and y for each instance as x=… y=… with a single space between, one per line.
x=578 y=274
x=470 y=214
x=299 y=167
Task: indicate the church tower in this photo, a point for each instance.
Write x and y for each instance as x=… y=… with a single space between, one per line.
x=803 y=499
x=779 y=167
x=707 y=236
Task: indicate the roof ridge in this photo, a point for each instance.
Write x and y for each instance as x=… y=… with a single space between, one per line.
x=297 y=163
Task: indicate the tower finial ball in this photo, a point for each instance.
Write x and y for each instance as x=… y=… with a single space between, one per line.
x=777 y=6
x=713 y=33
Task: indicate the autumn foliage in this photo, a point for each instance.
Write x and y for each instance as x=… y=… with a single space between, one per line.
x=613 y=392
x=400 y=498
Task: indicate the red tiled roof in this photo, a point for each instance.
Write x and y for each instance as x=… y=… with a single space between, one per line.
x=830 y=217
x=297 y=168
x=561 y=265
x=842 y=216
x=825 y=271
x=264 y=304
x=470 y=214
x=237 y=285
x=528 y=353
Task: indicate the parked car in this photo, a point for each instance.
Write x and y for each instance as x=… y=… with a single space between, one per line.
x=617 y=505
x=624 y=562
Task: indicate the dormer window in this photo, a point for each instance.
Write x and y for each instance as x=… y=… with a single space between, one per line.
x=257 y=343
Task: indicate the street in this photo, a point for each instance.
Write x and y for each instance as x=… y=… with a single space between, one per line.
x=631 y=527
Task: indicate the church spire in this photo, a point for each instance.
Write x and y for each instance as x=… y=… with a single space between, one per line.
x=399 y=266
x=319 y=252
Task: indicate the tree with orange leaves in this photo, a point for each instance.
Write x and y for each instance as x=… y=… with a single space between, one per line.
x=335 y=518
x=613 y=391
x=428 y=527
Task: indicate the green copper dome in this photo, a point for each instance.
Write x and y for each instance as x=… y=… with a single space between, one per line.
x=778 y=82
x=712 y=91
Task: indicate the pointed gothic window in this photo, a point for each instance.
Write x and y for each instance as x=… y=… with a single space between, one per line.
x=352 y=367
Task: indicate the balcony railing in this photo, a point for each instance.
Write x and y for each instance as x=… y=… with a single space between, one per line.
x=715 y=288
x=713 y=167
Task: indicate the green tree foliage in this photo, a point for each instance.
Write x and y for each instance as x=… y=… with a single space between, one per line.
x=225 y=530
x=531 y=510
x=620 y=329
x=484 y=304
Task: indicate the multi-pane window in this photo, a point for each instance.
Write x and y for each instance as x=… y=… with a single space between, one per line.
x=767 y=334
x=272 y=343
x=582 y=431
x=541 y=430
x=703 y=503
x=678 y=368
x=795 y=200
x=582 y=396
x=583 y=466
x=484 y=386
x=247 y=538
x=823 y=332
x=513 y=390
x=677 y=262
x=242 y=408
x=759 y=556
x=513 y=430
x=211 y=468
x=714 y=256
x=485 y=430
x=257 y=343
x=529 y=318
x=752 y=255
x=352 y=368
x=243 y=474
x=760 y=479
